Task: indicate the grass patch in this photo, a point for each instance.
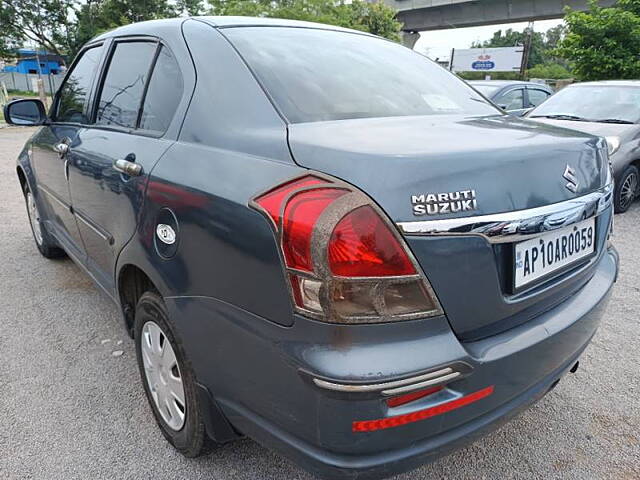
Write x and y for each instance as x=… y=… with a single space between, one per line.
x=21 y=93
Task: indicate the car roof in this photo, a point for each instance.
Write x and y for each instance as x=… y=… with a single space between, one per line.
x=503 y=83
x=236 y=21
x=150 y=27
x=609 y=83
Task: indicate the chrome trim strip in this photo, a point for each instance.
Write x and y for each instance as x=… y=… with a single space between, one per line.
x=412 y=382
x=85 y=269
x=53 y=196
x=520 y=224
x=426 y=383
x=95 y=229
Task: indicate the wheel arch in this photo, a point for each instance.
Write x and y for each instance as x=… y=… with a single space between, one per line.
x=635 y=163
x=132 y=282
x=22 y=176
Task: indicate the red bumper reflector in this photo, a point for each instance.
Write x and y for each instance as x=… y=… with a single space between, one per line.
x=410 y=397
x=399 y=420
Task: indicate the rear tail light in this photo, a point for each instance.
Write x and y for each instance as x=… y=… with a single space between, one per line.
x=345 y=262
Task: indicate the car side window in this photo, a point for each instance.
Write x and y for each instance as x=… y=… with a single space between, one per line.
x=124 y=84
x=73 y=98
x=512 y=100
x=163 y=95
x=537 y=96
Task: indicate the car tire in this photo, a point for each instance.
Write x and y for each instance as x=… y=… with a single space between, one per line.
x=154 y=334
x=626 y=189
x=45 y=243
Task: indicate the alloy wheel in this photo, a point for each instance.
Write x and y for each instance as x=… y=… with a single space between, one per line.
x=628 y=190
x=34 y=218
x=163 y=375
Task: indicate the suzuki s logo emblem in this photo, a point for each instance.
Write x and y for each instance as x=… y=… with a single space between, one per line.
x=570 y=175
x=166 y=234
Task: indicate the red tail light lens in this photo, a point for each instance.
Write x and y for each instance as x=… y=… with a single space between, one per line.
x=358 y=269
x=363 y=246
x=272 y=201
x=300 y=217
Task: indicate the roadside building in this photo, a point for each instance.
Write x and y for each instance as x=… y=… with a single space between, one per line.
x=36 y=62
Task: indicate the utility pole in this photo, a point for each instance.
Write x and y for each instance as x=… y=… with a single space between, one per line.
x=527 y=49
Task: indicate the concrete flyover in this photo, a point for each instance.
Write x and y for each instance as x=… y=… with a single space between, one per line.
x=421 y=15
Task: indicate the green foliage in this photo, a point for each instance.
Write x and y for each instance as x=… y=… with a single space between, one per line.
x=632 y=6
x=603 y=43
x=63 y=26
x=376 y=17
x=549 y=70
x=97 y=16
x=45 y=22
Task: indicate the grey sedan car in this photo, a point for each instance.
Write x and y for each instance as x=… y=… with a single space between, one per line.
x=514 y=97
x=610 y=109
x=360 y=271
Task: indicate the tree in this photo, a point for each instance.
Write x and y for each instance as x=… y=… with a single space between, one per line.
x=603 y=43
x=549 y=70
x=97 y=16
x=373 y=17
x=63 y=26
x=44 y=22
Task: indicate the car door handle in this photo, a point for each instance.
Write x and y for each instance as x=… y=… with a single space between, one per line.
x=62 y=148
x=128 y=168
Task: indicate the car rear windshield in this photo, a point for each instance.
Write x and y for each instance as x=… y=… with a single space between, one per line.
x=318 y=75
x=593 y=103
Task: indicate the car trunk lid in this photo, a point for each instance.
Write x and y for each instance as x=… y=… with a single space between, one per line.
x=502 y=163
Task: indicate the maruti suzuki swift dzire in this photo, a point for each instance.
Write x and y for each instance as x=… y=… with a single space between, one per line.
x=318 y=238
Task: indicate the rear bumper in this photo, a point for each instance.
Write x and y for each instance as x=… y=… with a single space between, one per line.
x=261 y=376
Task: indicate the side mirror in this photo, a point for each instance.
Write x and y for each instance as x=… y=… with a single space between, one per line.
x=503 y=106
x=26 y=111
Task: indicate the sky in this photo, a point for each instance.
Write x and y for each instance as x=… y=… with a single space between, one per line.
x=438 y=43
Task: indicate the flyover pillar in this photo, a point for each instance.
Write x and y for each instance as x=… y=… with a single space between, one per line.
x=409 y=39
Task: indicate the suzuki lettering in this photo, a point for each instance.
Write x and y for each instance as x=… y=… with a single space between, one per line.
x=444 y=203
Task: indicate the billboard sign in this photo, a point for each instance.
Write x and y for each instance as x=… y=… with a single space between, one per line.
x=502 y=59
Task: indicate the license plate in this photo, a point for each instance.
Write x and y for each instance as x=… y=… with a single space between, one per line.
x=547 y=253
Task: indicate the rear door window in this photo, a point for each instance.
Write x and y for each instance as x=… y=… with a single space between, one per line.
x=537 y=96
x=512 y=100
x=73 y=99
x=163 y=95
x=124 y=84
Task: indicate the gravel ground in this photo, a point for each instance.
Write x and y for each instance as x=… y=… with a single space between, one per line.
x=73 y=409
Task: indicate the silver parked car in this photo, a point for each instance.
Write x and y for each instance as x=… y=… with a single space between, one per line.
x=515 y=97
x=610 y=109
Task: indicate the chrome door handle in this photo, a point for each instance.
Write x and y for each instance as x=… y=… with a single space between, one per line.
x=128 y=168
x=62 y=148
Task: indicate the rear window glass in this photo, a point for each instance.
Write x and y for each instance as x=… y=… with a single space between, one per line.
x=163 y=95
x=318 y=75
